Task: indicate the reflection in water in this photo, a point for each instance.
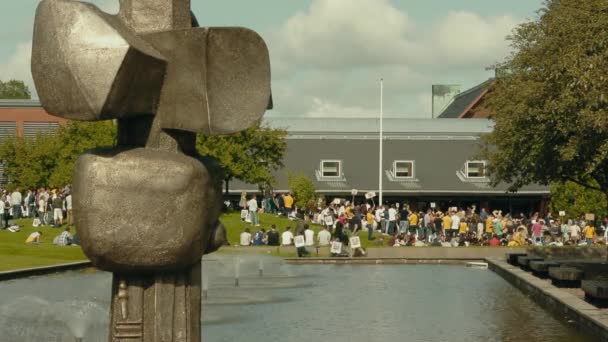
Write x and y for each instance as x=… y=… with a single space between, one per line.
x=301 y=303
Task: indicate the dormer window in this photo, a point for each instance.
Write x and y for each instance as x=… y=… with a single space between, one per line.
x=403 y=169
x=331 y=168
x=475 y=169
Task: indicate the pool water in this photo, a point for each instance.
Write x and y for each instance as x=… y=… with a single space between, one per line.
x=303 y=303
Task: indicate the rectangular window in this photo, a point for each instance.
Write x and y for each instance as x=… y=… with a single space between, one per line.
x=403 y=169
x=476 y=169
x=331 y=168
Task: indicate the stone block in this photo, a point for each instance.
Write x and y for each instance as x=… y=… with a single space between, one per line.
x=524 y=261
x=541 y=268
x=512 y=258
x=144 y=209
x=596 y=292
x=566 y=276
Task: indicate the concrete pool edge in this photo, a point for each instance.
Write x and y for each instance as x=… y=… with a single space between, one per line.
x=43 y=270
x=587 y=317
x=377 y=261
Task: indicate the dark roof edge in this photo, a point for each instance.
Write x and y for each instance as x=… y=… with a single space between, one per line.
x=12 y=103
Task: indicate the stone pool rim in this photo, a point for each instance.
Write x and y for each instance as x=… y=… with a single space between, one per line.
x=43 y=270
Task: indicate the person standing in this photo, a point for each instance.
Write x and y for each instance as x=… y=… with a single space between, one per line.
x=369 y=219
x=253 y=210
x=288 y=201
x=31 y=204
x=392 y=220
x=42 y=209
x=16 y=200
x=68 y=209
x=2 y=218
x=413 y=222
x=403 y=220
x=58 y=209
x=589 y=233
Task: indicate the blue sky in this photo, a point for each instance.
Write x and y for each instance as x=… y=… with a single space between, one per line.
x=328 y=55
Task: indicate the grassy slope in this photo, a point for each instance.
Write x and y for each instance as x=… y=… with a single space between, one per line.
x=15 y=254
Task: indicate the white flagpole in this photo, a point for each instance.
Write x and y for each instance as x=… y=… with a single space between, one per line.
x=381 y=142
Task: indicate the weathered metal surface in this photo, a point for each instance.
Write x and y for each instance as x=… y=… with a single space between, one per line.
x=148 y=209
x=143 y=209
x=89 y=66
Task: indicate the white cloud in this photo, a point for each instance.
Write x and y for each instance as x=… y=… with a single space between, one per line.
x=467 y=38
x=328 y=59
x=344 y=33
x=17 y=66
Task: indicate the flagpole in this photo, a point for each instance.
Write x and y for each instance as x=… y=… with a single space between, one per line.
x=381 y=142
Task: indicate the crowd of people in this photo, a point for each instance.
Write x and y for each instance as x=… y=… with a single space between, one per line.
x=47 y=207
x=399 y=225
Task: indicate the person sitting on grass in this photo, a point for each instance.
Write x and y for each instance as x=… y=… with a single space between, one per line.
x=63 y=239
x=494 y=241
x=33 y=238
x=245 y=239
x=324 y=237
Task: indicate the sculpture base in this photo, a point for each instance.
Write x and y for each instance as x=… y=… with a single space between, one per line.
x=156 y=307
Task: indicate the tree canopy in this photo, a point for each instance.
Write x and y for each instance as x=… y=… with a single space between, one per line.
x=251 y=155
x=48 y=159
x=14 y=89
x=550 y=101
x=303 y=190
x=577 y=200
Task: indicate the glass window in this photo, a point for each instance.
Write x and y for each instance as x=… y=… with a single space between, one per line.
x=403 y=169
x=331 y=168
x=476 y=169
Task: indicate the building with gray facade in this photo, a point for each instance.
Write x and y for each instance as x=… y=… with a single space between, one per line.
x=424 y=161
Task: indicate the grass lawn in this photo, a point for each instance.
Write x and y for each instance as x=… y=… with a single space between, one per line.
x=15 y=254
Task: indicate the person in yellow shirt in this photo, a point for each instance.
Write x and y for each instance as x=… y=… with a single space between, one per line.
x=288 y=200
x=589 y=233
x=463 y=227
x=33 y=238
x=490 y=226
x=413 y=219
x=369 y=219
x=447 y=222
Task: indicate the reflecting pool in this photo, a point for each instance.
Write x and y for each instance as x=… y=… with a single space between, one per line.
x=279 y=302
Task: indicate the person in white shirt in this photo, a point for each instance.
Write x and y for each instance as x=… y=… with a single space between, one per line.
x=42 y=210
x=252 y=204
x=324 y=237
x=2 y=218
x=575 y=232
x=392 y=220
x=287 y=237
x=68 y=209
x=309 y=236
x=455 y=224
x=246 y=238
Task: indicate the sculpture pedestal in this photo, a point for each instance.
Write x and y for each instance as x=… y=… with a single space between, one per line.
x=156 y=307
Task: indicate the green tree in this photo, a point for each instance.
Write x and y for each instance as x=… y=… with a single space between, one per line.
x=250 y=156
x=14 y=89
x=550 y=101
x=48 y=159
x=73 y=139
x=303 y=190
x=577 y=200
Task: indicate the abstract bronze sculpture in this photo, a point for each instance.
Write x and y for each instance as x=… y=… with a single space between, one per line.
x=148 y=209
